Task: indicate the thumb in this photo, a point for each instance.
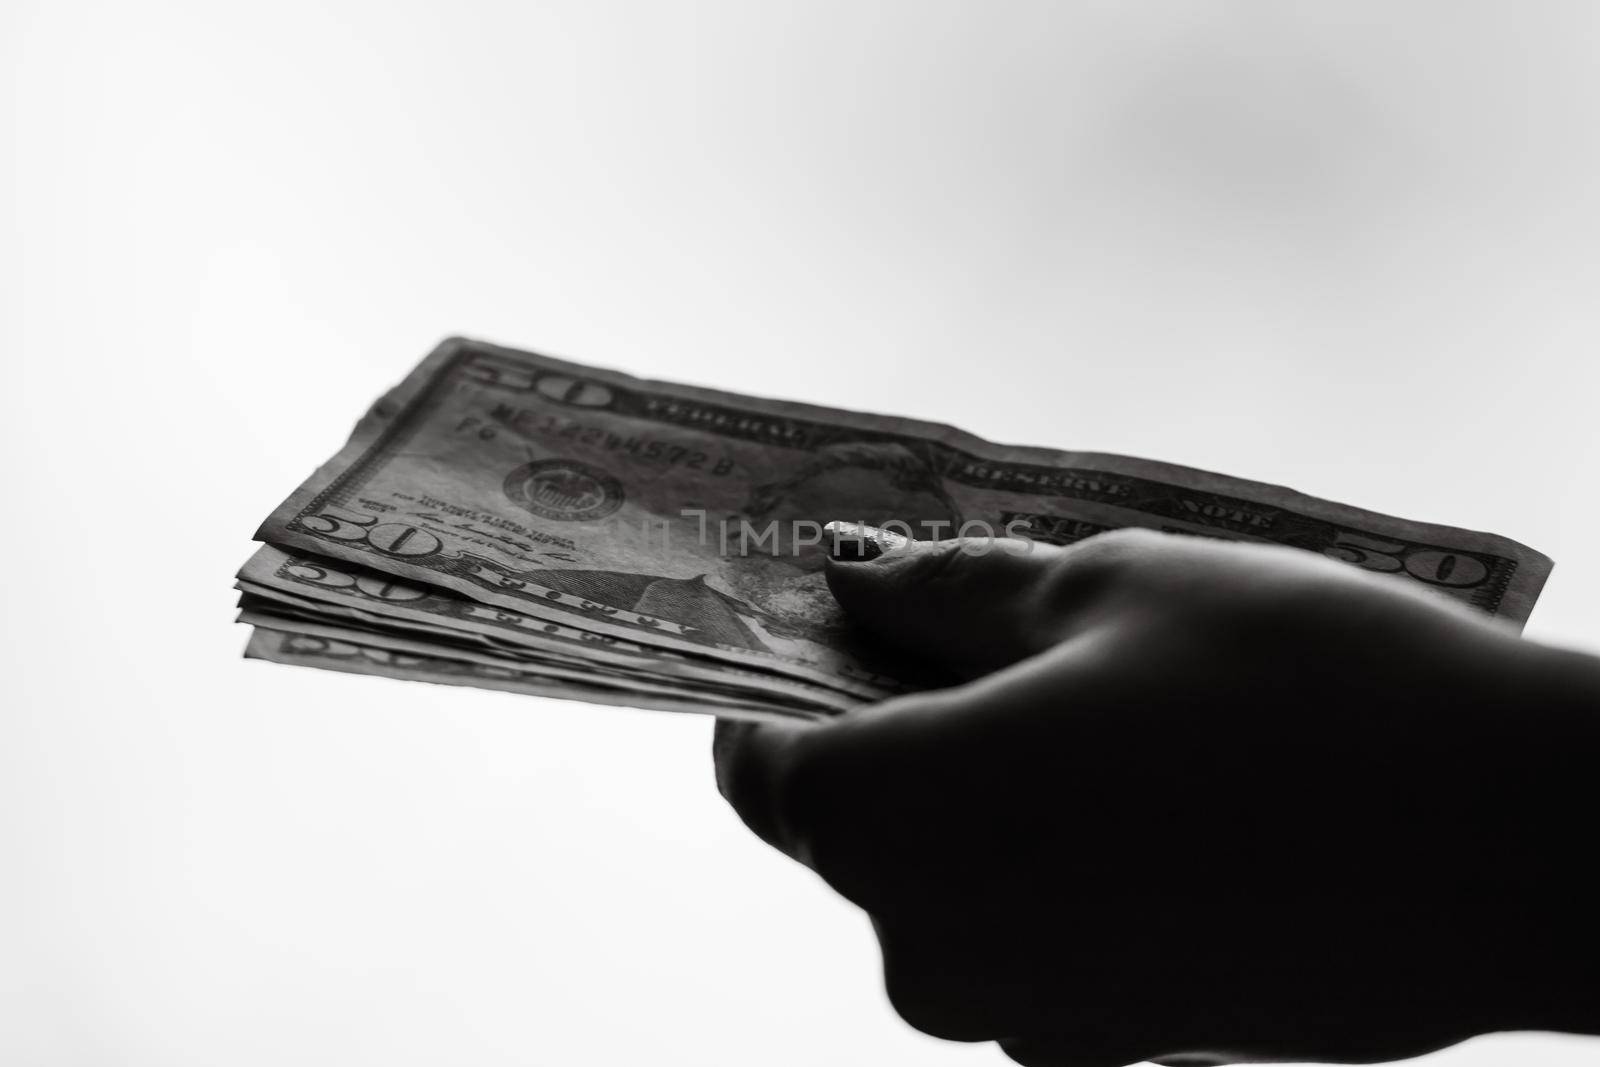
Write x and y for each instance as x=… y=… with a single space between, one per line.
x=975 y=604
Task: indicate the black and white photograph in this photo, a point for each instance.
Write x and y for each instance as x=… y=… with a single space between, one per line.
x=743 y=533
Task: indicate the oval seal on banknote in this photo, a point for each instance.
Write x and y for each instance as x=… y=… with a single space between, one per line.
x=564 y=489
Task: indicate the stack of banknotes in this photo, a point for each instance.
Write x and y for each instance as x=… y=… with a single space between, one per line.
x=511 y=521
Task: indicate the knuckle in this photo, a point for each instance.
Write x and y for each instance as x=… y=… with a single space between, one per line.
x=919 y=997
x=938 y=988
x=1117 y=550
x=796 y=788
x=813 y=790
x=1094 y=567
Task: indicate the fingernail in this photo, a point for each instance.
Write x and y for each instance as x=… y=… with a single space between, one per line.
x=856 y=542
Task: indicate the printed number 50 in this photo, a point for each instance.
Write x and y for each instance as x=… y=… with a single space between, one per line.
x=1429 y=565
x=390 y=538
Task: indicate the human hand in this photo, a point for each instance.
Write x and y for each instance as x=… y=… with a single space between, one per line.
x=1198 y=800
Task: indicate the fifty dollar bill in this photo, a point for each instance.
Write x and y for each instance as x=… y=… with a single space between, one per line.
x=680 y=524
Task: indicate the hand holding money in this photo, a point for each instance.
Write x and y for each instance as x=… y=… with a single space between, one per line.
x=510 y=521
x=1203 y=799
x=1127 y=791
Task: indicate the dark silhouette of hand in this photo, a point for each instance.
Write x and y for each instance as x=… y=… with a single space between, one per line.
x=1201 y=803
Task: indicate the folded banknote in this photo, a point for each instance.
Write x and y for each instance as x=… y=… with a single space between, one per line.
x=513 y=521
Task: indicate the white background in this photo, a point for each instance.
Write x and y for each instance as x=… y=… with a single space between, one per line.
x=1350 y=247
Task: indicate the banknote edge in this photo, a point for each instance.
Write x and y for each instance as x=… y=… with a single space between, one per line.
x=955 y=435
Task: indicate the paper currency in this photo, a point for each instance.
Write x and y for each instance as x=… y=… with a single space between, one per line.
x=287 y=646
x=509 y=510
x=342 y=594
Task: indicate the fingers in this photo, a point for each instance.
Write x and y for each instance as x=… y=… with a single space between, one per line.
x=810 y=788
x=969 y=604
x=840 y=796
x=864 y=799
x=752 y=764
